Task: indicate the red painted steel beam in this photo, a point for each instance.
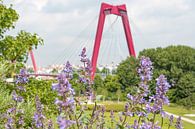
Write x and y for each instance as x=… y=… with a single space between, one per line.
x=33 y=61
x=98 y=39
x=107 y=9
x=46 y=75
x=128 y=34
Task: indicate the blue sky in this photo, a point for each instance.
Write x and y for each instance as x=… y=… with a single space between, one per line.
x=154 y=23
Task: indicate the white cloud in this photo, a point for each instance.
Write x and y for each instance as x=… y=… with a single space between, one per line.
x=161 y=22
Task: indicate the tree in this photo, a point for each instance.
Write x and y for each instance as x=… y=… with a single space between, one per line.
x=178 y=64
x=8 y=16
x=105 y=71
x=98 y=82
x=127 y=73
x=98 y=70
x=112 y=83
x=185 y=87
x=14 y=49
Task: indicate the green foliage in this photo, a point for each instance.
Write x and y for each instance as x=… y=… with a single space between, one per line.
x=14 y=49
x=105 y=71
x=8 y=16
x=98 y=70
x=98 y=82
x=6 y=102
x=185 y=91
x=5 y=98
x=127 y=73
x=178 y=64
x=42 y=88
x=112 y=83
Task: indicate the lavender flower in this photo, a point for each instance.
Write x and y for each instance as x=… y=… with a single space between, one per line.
x=129 y=96
x=170 y=121
x=38 y=120
x=88 y=68
x=21 y=121
x=22 y=78
x=69 y=102
x=63 y=87
x=159 y=98
x=126 y=107
x=39 y=106
x=85 y=75
x=9 y=124
x=50 y=124
x=179 y=123
x=141 y=114
x=162 y=88
x=38 y=116
x=112 y=115
x=68 y=70
x=145 y=73
x=135 y=124
x=11 y=110
x=16 y=98
x=63 y=123
x=149 y=125
x=21 y=89
x=102 y=117
x=83 y=55
x=145 y=70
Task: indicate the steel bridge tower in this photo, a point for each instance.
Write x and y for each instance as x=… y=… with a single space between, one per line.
x=105 y=10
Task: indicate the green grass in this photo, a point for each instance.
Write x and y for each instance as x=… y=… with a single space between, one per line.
x=172 y=108
x=179 y=110
x=158 y=118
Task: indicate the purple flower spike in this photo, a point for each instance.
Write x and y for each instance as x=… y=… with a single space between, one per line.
x=63 y=87
x=63 y=123
x=38 y=116
x=11 y=110
x=145 y=70
x=21 y=121
x=178 y=123
x=129 y=96
x=9 y=124
x=38 y=120
x=160 y=98
x=135 y=125
x=21 y=88
x=16 y=98
x=50 y=124
x=83 y=55
x=171 y=120
x=112 y=115
x=22 y=78
x=68 y=70
x=88 y=68
x=149 y=125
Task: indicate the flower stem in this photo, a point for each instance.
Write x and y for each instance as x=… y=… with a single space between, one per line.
x=124 y=120
x=153 y=120
x=162 y=120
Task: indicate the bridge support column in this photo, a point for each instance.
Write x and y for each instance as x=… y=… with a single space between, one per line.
x=107 y=9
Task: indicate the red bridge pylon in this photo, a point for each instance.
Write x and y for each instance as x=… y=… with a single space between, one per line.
x=107 y=9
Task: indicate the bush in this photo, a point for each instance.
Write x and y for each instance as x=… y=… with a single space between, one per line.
x=42 y=88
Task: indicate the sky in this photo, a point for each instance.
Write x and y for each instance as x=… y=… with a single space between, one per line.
x=68 y=25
